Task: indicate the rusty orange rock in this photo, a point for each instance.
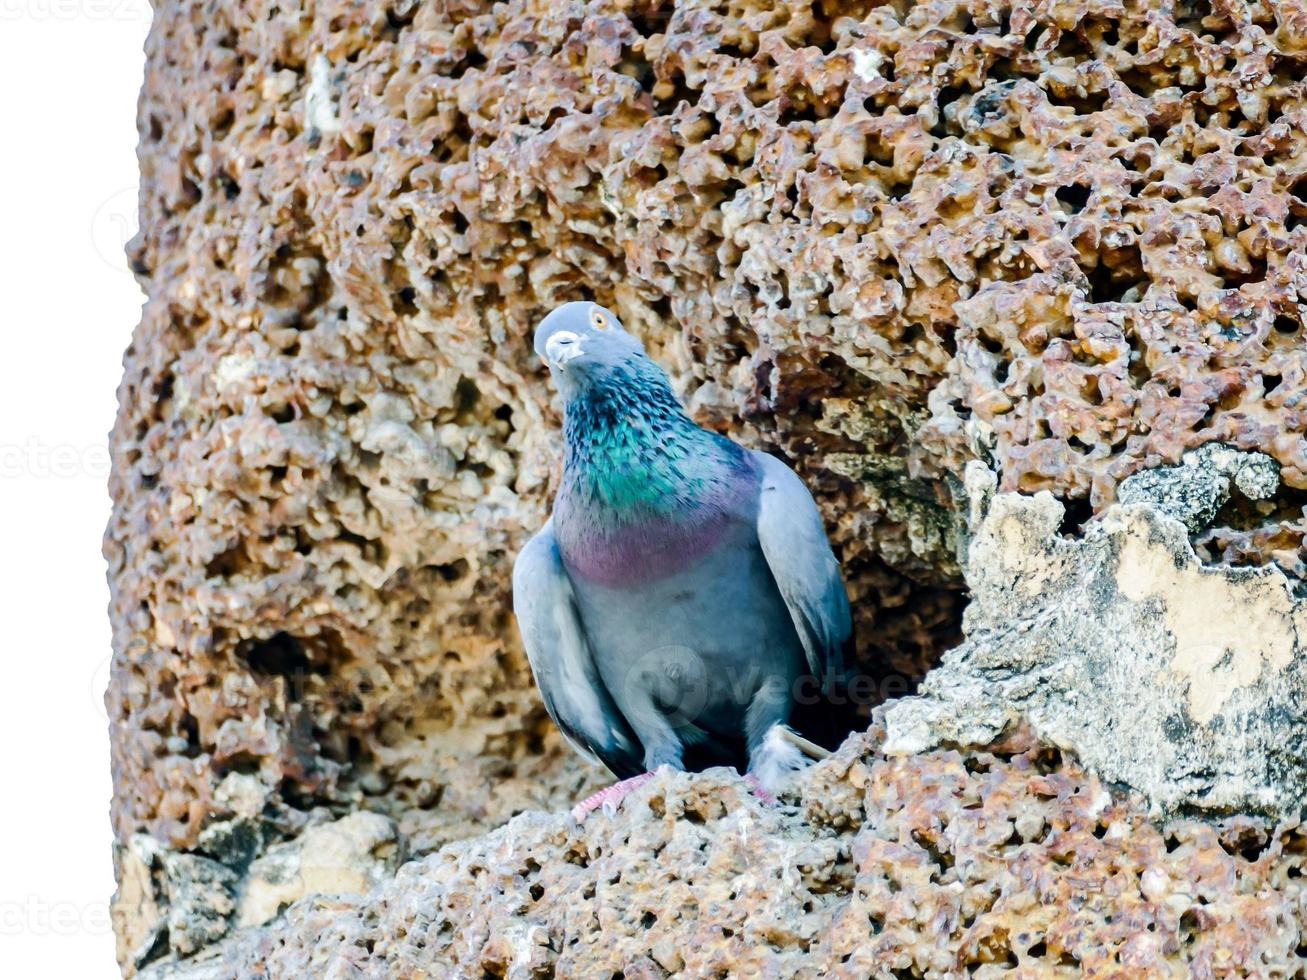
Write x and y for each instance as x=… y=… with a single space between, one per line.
x=851 y=235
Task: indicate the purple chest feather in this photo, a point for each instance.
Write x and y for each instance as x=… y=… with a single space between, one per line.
x=651 y=544
x=642 y=550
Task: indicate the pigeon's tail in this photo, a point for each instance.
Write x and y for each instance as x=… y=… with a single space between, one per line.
x=782 y=753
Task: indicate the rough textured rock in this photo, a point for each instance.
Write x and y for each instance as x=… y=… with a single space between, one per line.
x=1186 y=683
x=848 y=232
x=945 y=864
x=346 y=856
x=1194 y=491
x=173 y=904
x=169 y=903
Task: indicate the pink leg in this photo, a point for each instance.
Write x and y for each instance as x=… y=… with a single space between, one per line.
x=758 y=791
x=609 y=797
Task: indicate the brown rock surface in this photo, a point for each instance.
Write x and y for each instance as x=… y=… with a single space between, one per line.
x=846 y=232
x=946 y=864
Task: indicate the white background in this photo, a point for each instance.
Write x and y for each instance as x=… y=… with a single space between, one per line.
x=70 y=71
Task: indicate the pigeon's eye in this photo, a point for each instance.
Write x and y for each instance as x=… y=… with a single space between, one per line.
x=599 y=320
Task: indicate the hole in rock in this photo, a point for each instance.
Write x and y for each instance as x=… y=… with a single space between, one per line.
x=284 y=655
x=406 y=301
x=280 y=654
x=902 y=628
x=1118 y=277
x=1074 y=196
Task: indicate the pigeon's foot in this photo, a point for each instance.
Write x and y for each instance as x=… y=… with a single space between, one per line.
x=609 y=798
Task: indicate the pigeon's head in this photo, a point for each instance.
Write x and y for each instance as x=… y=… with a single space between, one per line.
x=582 y=341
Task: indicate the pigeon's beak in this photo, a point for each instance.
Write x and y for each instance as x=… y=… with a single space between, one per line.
x=562 y=347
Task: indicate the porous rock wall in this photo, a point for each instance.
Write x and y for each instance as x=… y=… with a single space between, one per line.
x=852 y=232
x=1005 y=861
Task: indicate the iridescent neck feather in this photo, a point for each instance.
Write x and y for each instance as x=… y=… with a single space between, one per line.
x=644 y=488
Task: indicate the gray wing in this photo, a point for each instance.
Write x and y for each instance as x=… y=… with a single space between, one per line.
x=573 y=692
x=794 y=543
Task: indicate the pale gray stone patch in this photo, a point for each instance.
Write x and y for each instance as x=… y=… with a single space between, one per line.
x=1198 y=486
x=1180 y=681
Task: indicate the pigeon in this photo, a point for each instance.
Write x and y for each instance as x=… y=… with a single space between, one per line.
x=683 y=596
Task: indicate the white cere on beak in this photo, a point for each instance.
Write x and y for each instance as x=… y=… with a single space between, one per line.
x=562 y=347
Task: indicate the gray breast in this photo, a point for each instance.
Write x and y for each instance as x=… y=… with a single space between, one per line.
x=698 y=644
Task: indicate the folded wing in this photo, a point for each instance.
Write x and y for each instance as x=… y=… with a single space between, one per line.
x=556 y=645
x=794 y=543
